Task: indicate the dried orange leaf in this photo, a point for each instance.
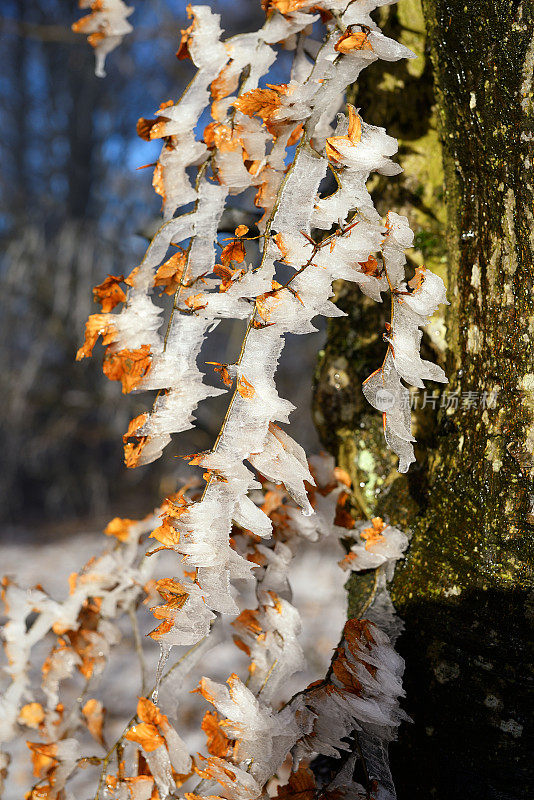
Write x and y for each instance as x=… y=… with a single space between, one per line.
x=352 y=40
x=373 y=535
x=370 y=267
x=222 y=369
x=97 y=325
x=162 y=629
x=120 y=528
x=283 y=6
x=146 y=735
x=263 y=103
x=43 y=757
x=235 y=251
x=418 y=279
x=193 y=796
x=166 y=534
x=225 y=83
x=132 y=452
x=245 y=388
x=147 y=711
x=353 y=137
x=31 y=715
x=355 y=126
x=348 y=680
x=157 y=181
x=279 y=239
x=346 y=561
x=109 y=293
x=131 y=277
x=135 y=424
x=196 y=302
x=217 y=741
x=300 y=786
x=248 y=619
x=94 y=711
x=295 y=135
x=44 y=791
x=183 y=48
x=170 y=274
x=342 y=476
x=127 y=366
x=175 y=595
x=227 y=275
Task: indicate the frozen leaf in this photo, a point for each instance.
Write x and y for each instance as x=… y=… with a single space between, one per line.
x=174 y=595
x=97 y=325
x=183 y=49
x=373 y=534
x=352 y=138
x=93 y=711
x=217 y=741
x=245 y=388
x=222 y=370
x=146 y=735
x=260 y=102
x=127 y=366
x=133 y=452
x=43 y=757
x=109 y=293
x=300 y=786
x=31 y=715
x=170 y=275
x=166 y=534
x=148 y=129
x=120 y=528
x=352 y=40
x=234 y=251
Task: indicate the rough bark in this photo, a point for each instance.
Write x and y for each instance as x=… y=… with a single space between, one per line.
x=464 y=588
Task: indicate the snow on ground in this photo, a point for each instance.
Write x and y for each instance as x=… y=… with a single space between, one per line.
x=317 y=584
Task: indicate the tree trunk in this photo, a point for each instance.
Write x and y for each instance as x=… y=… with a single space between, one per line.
x=463 y=590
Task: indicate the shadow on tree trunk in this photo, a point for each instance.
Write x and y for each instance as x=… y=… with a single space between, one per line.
x=469 y=693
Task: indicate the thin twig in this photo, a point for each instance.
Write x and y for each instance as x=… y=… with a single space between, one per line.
x=270 y=672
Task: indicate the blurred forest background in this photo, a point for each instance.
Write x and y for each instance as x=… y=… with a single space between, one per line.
x=74 y=207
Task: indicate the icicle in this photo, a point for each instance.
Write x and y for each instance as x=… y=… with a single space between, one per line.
x=165 y=651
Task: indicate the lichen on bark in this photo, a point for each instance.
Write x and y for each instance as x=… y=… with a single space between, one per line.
x=465 y=588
